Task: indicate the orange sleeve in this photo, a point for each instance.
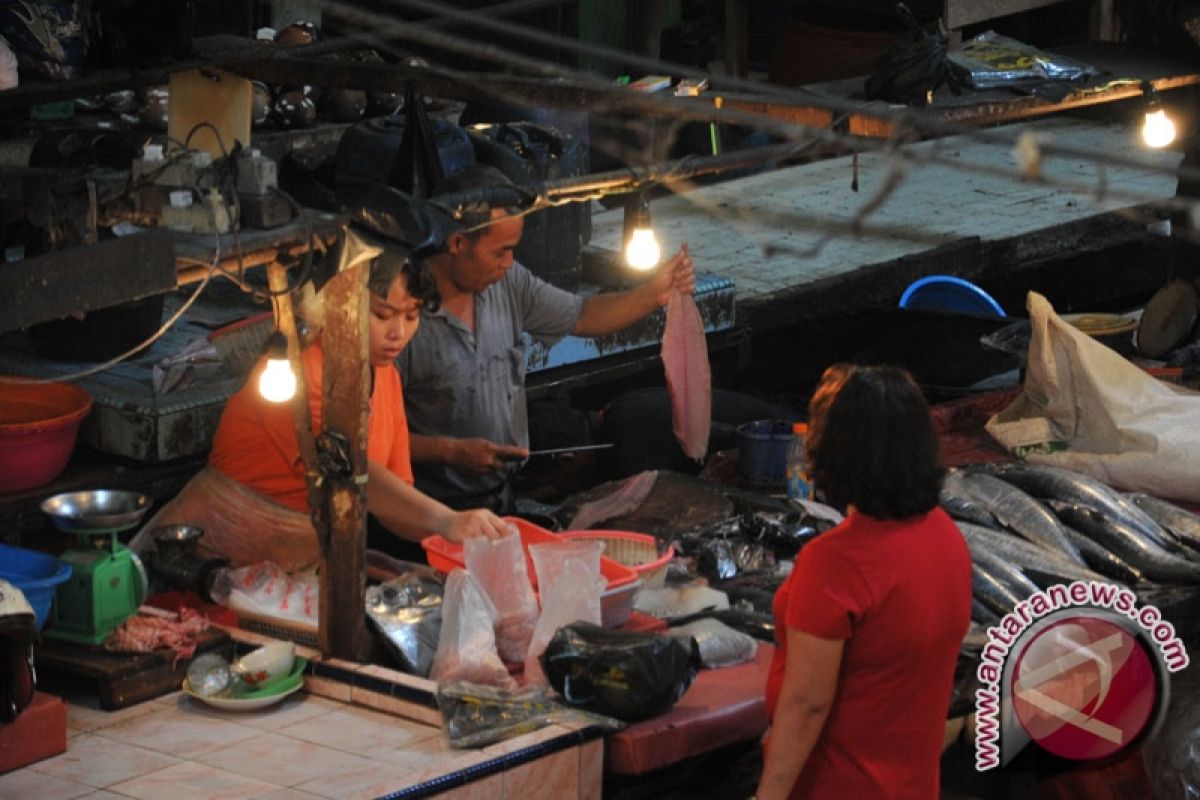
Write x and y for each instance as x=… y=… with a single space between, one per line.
x=387 y=440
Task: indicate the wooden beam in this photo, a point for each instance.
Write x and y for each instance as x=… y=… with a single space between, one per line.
x=345 y=403
x=958 y=13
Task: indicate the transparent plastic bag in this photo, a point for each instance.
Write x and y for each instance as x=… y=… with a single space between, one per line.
x=720 y=645
x=264 y=589
x=572 y=595
x=499 y=566
x=467 y=644
x=551 y=558
x=991 y=60
x=475 y=716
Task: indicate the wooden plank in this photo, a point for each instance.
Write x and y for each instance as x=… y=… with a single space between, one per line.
x=64 y=282
x=958 y=13
x=345 y=406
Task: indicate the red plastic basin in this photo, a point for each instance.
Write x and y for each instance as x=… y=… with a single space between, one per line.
x=38 y=426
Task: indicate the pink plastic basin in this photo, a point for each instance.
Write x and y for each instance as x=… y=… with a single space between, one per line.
x=38 y=426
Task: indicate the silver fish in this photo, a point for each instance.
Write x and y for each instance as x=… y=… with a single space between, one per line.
x=1103 y=560
x=956 y=499
x=1055 y=483
x=1044 y=567
x=1021 y=513
x=1129 y=544
x=1180 y=523
x=997 y=584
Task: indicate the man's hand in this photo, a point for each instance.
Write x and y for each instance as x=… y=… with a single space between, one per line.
x=479 y=456
x=476 y=522
x=678 y=273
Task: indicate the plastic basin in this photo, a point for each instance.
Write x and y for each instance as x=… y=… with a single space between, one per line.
x=38 y=426
x=951 y=294
x=35 y=574
x=638 y=551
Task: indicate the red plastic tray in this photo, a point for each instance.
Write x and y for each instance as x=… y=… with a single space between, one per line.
x=446 y=556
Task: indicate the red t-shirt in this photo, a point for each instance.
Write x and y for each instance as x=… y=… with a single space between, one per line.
x=255 y=443
x=899 y=594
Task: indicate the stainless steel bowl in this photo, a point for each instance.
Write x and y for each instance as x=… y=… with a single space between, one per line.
x=96 y=511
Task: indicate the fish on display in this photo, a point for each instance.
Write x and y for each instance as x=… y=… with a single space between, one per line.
x=1104 y=561
x=1130 y=544
x=1180 y=523
x=1075 y=488
x=955 y=499
x=1042 y=566
x=982 y=614
x=1021 y=513
x=689 y=378
x=997 y=584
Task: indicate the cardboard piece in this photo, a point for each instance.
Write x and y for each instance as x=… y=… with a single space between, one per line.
x=210 y=95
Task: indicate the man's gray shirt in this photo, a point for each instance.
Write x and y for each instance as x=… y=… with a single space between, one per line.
x=463 y=384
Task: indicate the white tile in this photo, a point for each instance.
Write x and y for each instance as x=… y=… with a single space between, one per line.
x=25 y=784
x=279 y=759
x=363 y=778
x=360 y=730
x=189 y=780
x=98 y=761
x=182 y=732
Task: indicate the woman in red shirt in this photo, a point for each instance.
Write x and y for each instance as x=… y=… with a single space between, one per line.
x=870 y=621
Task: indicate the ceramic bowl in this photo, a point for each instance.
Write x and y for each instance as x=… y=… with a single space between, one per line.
x=266 y=663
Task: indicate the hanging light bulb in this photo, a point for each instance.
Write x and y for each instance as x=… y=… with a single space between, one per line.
x=277 y=384
x=642 y=251
x=1158 y=130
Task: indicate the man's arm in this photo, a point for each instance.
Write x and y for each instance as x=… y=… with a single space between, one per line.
x=413 y=515
x=477 y=456
x=612 y=311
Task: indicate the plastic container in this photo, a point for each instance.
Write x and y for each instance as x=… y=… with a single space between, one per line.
x=949 y=293
x=38 y=426
x=35 y=574
x=799 y=485
x=638 y=551
x=762 y=451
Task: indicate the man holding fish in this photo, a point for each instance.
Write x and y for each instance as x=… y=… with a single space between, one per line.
x=464 y=372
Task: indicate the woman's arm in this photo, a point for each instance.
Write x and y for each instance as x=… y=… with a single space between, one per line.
x=412 y=514
x=809 y=685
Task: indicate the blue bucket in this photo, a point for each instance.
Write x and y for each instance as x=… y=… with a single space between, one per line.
x=950 y=294
x=35 y=574
x=763 y=451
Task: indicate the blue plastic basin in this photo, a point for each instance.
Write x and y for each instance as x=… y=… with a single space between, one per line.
x=35 y=574
x=948 y=293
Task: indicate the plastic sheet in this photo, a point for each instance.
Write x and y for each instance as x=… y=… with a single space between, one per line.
x=467 y=645
x=720 y=645
x=990 y=61
x=626 y=675
x=476 y=716
x=499 y=566
x=407 y=610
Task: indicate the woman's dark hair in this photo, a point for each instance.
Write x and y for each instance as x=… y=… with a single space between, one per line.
x=419 y=280
x=871 y=442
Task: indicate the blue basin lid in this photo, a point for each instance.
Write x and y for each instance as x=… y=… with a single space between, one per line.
x=948 y=293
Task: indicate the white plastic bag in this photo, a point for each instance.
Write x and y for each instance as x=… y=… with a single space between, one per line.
x=1087 y=408
x=467 y=645
x=499 y=566
x=265 y=590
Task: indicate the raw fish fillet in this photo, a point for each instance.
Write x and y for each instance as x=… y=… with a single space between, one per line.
x=685 y=360
x=625 y=499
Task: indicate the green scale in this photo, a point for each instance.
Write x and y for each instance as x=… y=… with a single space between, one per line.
x=108 y=581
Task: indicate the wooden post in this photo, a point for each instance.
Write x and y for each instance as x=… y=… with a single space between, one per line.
x=345 y=403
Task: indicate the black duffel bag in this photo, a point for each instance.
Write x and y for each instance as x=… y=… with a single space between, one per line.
x=621 y=674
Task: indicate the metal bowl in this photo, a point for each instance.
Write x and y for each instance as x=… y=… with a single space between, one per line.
x=96 y=511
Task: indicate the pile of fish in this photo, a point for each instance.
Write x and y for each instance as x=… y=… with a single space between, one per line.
x=1030 y=526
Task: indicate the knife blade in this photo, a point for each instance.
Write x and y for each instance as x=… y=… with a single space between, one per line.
x=560 y=451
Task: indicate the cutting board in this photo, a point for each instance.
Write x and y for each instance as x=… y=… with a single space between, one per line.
x=210 y=95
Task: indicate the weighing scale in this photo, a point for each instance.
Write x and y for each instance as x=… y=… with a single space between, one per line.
x=108 y=581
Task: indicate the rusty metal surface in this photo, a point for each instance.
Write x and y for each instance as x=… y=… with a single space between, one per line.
x=676 y=504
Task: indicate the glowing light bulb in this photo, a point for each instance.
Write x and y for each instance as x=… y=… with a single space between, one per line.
x=1158 y=130
x=643 y=252
x=277 y=384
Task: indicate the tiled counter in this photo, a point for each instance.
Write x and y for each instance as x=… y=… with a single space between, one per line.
x=354 y=732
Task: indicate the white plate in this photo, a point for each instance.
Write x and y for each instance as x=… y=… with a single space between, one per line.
x=241 y=704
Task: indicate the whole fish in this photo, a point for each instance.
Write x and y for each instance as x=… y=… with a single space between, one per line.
x=1043 y=567
x=1055 y=483
x=1021 y=513
x=982 y=614
x=998 y=584
x=955 y=498
x=1103 y=560
x=1129 y=544
x=1180 y=523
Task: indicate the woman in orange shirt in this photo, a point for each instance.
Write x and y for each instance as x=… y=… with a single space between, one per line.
x=251 y=500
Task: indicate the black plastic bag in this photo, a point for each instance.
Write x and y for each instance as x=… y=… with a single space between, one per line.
x=911 y=67
x=622 y=674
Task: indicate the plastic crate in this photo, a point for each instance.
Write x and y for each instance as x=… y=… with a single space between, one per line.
x=638 y=551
